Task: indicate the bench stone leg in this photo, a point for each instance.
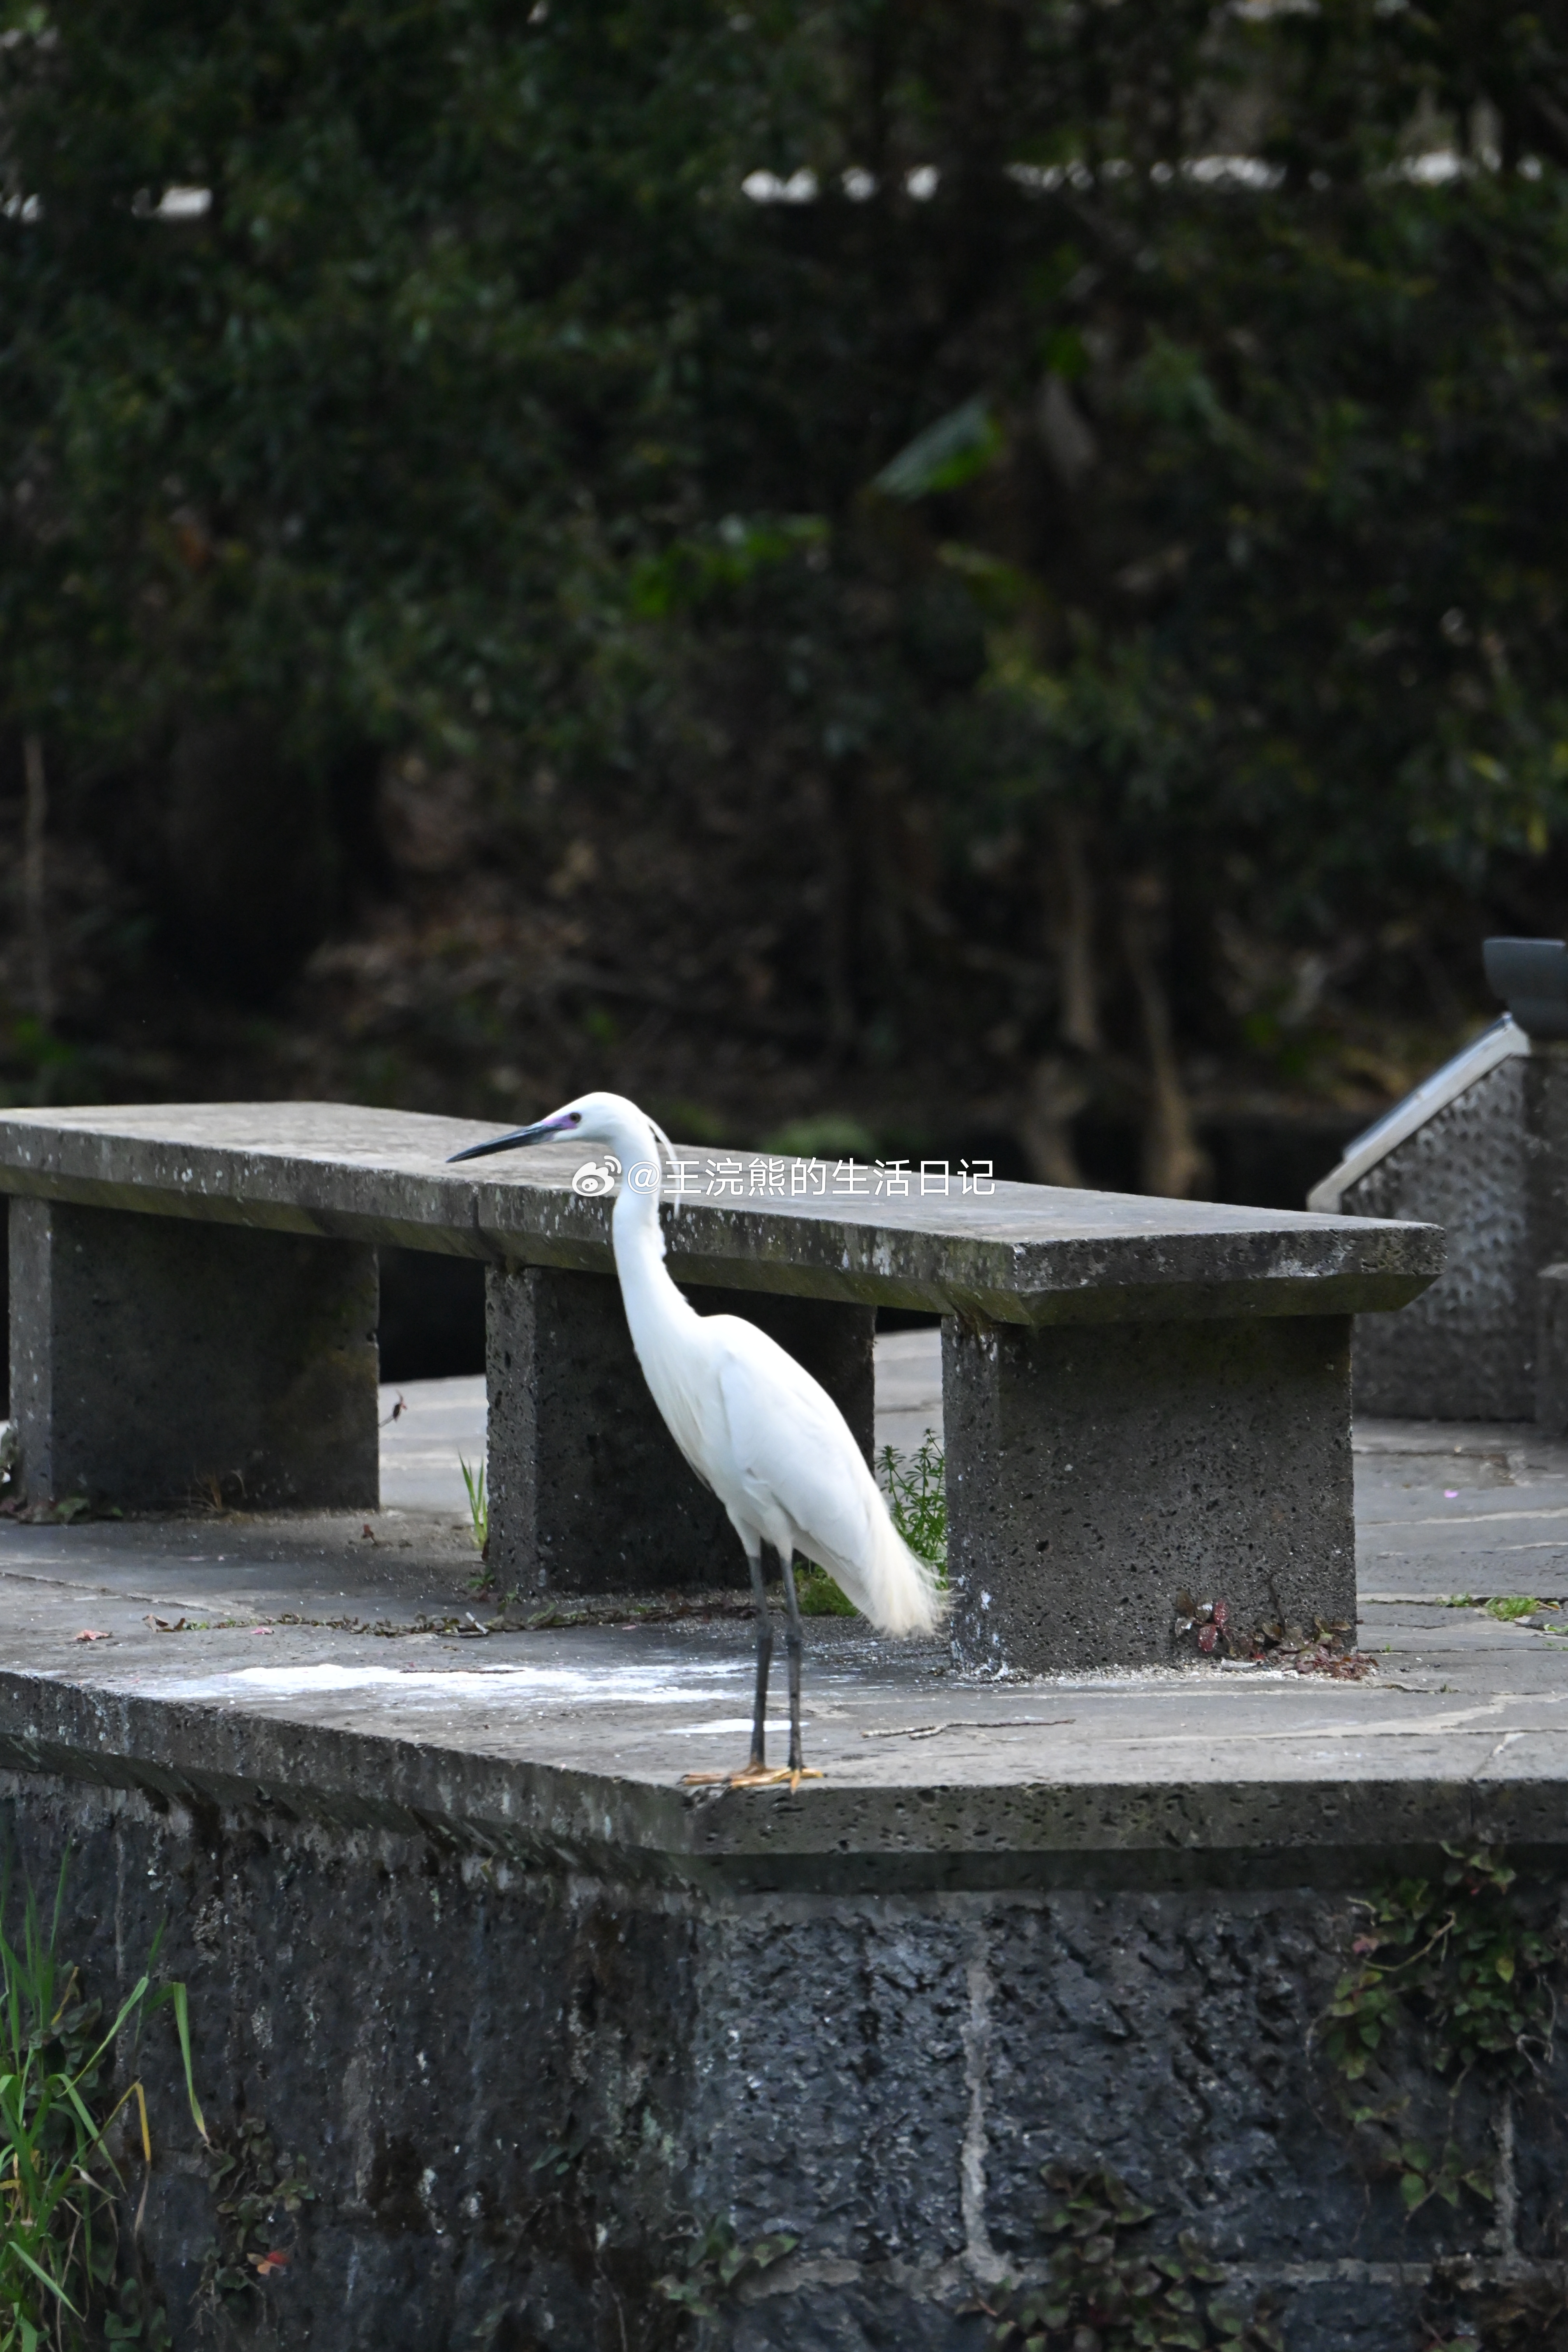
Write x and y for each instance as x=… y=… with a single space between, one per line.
x=587 y=1491
x=150 y=1356
x=1094 y=1472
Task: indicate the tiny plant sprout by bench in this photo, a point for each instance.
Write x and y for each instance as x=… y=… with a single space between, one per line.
x=1141 y=1398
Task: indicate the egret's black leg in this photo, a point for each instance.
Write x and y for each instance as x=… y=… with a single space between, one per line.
x=794 y=1641
x=756 y=1774
x=764 y=1660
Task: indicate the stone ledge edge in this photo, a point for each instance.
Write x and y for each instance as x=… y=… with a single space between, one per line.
x=943 y=1837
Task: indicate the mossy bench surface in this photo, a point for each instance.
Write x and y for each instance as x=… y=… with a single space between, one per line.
x=1013 y=1253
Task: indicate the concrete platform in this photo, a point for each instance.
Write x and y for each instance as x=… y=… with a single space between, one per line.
x=193 y=1295
x=1487 y=1516
x=536 y=2011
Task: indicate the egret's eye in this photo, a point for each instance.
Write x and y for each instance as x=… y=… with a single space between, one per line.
x=576 y=1118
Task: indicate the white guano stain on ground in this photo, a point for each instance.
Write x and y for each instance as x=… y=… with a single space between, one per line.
x=628 y=1686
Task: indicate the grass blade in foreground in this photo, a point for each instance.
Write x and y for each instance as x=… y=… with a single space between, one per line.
x=60 y=2186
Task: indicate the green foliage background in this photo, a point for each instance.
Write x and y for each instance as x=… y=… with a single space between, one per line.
x=1101 y=556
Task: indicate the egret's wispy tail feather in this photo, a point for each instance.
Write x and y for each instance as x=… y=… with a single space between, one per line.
x=889 y=1583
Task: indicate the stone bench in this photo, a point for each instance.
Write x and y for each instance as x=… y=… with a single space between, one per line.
x=1481 y=1149
x=1141 y=1397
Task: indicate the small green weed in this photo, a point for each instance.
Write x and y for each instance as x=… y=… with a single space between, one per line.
x=818 y=1595
x=60 y=2184
x=916 y=1487
x=1114 y=2297
x=1505 y=1606
x=52 y=1515
x=253 y=2185
x=713 y=2264
x=1457 y=1968
x=478 y=1504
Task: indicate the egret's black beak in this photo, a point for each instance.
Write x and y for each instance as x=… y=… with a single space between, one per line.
x=540 y=1132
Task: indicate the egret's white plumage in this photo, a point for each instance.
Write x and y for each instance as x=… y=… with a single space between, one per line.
x=758 y=1431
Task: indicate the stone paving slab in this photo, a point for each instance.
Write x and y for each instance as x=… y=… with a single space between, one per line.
x=1444 y=1508
x=909 y=1388
x=439 y=1425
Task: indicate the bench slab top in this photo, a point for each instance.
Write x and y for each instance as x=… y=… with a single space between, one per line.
x=1015 y=1252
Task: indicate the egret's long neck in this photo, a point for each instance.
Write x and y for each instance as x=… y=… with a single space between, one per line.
x=656 y=1311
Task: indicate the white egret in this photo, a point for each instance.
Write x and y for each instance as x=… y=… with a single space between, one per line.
x=757 y=1430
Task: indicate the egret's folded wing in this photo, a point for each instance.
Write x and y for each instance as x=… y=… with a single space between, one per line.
x=790 y=1451
x=792 y=1447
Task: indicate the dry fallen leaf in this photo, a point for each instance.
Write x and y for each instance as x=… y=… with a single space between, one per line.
x=88 y=1636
